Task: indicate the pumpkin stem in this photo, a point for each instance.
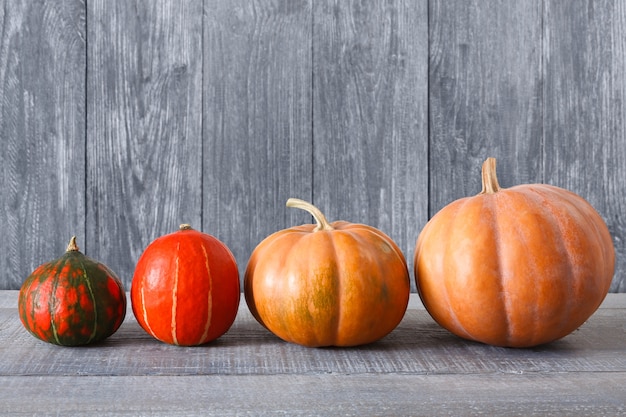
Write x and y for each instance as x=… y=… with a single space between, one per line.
x=490 y=180
x=320 y=219
x=185 y=226
x=72 y=247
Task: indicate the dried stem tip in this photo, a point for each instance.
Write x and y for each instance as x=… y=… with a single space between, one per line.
x=490 y=180
x=72 y=246
x=320 y=219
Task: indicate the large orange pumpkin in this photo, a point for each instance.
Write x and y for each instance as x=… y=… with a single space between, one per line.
x=330 y=284
x=516 y=267
x=185 y=290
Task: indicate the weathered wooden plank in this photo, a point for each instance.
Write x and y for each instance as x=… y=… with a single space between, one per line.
x=370 y=120
x=144 y=109
x=257 y=119
x=571 y=394
x=42 y=133
x=289 y=106
x=418 y=346
x=418 y=370
x=484 y=94
x=8 y=298
x=585 y=110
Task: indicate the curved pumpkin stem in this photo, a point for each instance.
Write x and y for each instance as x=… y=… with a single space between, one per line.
x=490 y=180
x=72 y=247
x=320 y=219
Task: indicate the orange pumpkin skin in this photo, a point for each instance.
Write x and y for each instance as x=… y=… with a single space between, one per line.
x=342 y=287
x=185 y=289
x=514 y=267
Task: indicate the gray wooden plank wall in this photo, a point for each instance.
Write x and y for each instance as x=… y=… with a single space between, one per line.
x=121 y=119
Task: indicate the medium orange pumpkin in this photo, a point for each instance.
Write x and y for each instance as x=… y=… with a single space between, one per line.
x=185 y=289
x=516 y=267
x=330 y=284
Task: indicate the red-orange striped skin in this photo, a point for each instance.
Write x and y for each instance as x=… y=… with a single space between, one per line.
x=72 y=301
x=185 y=289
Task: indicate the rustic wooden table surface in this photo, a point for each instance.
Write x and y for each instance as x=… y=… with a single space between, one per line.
x=419 y=369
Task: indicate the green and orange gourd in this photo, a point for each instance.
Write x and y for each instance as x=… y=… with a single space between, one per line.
x=73 y=300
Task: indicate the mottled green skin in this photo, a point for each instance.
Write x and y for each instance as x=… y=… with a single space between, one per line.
x=72 y=301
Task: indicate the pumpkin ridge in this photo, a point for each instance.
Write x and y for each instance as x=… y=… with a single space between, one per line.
x=498 y=256
x=175 y=295
x=25 y=293
x=322 y=332
x=358 y=241
x=338 y=287
x=572 y=206
x=58 y=267
x=452 y=226
x=301 y=236
x=93 y=300
x=253 y=264
x=364 y=237
x=588 y=213
x=207 y=326
x=387 y=239
x=144 y=311
x=548 y=211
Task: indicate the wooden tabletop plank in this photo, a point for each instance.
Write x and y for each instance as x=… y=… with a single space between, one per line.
x=419 y=369
x=417 y=346
x=537 y=394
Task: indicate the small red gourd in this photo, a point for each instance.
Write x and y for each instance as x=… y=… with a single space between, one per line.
x=73 y=300
x=185 y=289
x=516 y=267
x=330 y=284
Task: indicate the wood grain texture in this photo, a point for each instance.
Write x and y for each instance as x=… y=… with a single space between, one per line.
x=417 y=346
x=585 y=110
x=257 y=119
x=320 y=395
x=42 y=133
x=370 y=115
x=419 y=369
x=485 y=95
x=144 y=108
x=121 y=119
